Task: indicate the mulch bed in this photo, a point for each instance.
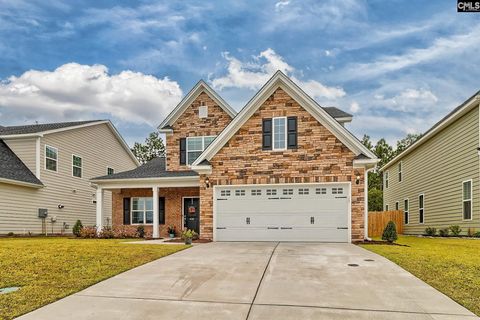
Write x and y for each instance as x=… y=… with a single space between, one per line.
x=383 y=243
x=194 y=241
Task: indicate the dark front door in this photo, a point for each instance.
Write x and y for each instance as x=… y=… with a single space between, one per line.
x=191 y=213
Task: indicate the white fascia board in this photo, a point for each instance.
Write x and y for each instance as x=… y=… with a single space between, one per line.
x=166 y=131
x=202 y=169
x=21 y=136
x=190 y=97
x=164 y=182
x=469 y=104
x=365 y=163
x=282 y=81
x=21 y=183
x=344 y=119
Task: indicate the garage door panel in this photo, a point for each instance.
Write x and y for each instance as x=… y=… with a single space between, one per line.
x=283 y=213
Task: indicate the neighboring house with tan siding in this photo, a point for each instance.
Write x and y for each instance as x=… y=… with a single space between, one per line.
x=49 y=166
x=436 y=180
x=282 y=169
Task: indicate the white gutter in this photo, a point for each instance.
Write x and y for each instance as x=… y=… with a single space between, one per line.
x=365 y=228
x=21 y=183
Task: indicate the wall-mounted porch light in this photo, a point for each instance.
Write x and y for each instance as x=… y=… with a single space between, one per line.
x=207 y=182
x=357 y=177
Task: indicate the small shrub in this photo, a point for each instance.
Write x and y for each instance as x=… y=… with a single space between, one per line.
x=430 y=231
x=477 y=234
x=106 y=233
x=148 y=235
x=455 y=230
x=189 y=234
x=141 y=231
x=77 y=228
x=88 y=232
x=10 y=234
x=123 y=232
x=444 y=232
x=390 y=232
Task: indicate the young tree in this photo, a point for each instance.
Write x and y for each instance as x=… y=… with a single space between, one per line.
x=152 y=148
x=404 y=143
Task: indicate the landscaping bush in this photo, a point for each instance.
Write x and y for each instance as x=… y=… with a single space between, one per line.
x=390 y=232
x=430 y=231
x=477 y=234
x=10 y=234
x=455 y=230
x=125 y=232
x=106 y=233
x=444 y=232
x=77 y=228
x=88 y=232
x=141 y=231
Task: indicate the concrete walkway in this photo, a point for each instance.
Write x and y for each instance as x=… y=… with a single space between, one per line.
x=260 y=281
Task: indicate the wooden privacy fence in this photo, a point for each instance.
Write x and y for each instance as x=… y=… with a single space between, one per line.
x=377 y=221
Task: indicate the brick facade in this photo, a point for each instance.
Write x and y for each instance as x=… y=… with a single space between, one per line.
x=320 y=157
x=190 y=125
x=173 y=205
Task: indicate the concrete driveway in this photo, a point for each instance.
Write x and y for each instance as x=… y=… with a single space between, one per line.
x=260 y=281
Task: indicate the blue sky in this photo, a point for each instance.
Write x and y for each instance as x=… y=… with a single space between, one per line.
x=398 y=66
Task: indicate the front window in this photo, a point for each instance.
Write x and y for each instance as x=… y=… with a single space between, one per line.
x=279 y=133
x=405 y=211
x=196 y=145
x=467 y=200
x=51 y=157
x=76 y=166
x=142 y=210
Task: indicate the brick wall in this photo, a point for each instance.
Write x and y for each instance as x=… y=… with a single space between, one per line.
x=320 y=157
x=173 y=205
x=190 y=125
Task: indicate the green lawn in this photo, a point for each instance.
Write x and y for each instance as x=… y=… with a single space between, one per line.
x=48 y=269
x=452 y=266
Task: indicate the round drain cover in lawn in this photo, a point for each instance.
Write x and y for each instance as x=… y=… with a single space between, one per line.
x=8 y=290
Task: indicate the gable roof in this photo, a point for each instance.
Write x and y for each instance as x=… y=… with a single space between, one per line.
x=280 y=80
x=455 y=114
x=154 y=168
x=338 y=114
x=200 y=87
x=39 y=130
x=13 y=170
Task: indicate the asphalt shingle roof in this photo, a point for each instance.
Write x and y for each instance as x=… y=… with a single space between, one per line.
x=37 y=128
x=336 y=113
x=12 y=168
x=155 y=168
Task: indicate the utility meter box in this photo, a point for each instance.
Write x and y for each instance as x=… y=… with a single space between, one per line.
x=42 y=213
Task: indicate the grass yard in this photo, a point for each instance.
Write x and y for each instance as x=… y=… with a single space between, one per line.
x=48 y=269
x=452 y=266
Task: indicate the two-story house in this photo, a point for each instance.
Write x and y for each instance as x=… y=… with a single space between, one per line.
x=436 y=181
x=282 y=169
x=46 y=168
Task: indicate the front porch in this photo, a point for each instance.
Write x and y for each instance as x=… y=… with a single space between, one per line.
x=152 y=197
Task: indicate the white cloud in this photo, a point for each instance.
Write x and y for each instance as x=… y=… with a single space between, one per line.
x=409 y=100
x=254 y=74
x=354 y=107
x=74 y=92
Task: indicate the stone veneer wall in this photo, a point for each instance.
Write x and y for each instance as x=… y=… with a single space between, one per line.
x=173 y=205
x=320 y=157
x=190 y=125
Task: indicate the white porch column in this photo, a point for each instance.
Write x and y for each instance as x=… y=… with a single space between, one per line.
x=156 y=221
x=99 y=199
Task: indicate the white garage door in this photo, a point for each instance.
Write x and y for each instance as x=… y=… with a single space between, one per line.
x=298 y=212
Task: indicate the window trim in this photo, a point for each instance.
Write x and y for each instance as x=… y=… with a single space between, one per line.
x=285 y=134
x=45 y=158
x=110 y=168
x=407 y=212
x=421 y=208
x=386 y=178
x=471 y=201
x=74 y=166
x=400 y=172
x=144 y=212
x=203 y=147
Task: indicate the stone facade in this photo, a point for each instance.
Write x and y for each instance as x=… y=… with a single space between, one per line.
x=173 y=205
x=190 y=125
x=320 y=157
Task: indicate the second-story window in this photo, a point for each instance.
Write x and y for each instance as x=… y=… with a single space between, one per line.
x=196 y=145
x=386 y=179
x=279 y=133
x=76 y=166
x=51 y=158
x=400 y=173
x=110 y=171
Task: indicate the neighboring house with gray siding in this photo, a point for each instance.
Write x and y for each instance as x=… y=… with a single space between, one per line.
x=48 y=166
x=436 y=180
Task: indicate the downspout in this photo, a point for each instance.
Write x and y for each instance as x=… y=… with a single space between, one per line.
x=365 y=228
